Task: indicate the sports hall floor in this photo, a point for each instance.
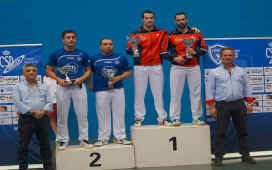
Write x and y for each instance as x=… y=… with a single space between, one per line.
x=263 y=163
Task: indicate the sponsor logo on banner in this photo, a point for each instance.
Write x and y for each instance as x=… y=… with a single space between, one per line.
x=255 y=71
x=267 y=70
x=214 y=53
x=9 y=62
x=256 y=79
x=267 y=109
x=268 y=87
x=268 y=52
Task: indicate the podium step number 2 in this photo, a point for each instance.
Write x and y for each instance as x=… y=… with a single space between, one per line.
x=111 y=156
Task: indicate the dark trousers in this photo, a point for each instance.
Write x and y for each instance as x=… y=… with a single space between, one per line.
x=238 y=112
x=28 y=125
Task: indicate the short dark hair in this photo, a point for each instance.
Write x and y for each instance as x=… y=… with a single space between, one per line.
x=106 y=38
x=181 y=13
x=148 y=12
x=29 y=65
x=226 y=48
x=68 y=31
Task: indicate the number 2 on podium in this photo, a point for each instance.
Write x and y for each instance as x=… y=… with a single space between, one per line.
x=97 y=157
x=174 y=141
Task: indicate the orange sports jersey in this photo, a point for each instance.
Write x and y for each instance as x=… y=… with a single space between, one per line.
x=178 y=48
x=152 y=46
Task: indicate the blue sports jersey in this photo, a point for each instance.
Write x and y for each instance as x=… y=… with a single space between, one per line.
x=102 y=66
x=73 y=62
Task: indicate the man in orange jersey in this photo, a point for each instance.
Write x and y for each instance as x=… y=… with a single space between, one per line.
x=185 y=47
x=148 y=45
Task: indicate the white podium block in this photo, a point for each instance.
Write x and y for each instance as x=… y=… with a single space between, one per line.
x=113 y=156
x=171 y=146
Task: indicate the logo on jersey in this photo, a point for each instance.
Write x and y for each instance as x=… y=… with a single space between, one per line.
x=8 y=63
x=109 y=72
x=116 y=62
x=268 y=52
x=214 y=53
x=142 y=37
x=79 y=59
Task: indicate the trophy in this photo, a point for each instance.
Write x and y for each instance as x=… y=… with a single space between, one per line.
x=110 y=73
x=65 y=70
x=134 y=42
x=188 y=43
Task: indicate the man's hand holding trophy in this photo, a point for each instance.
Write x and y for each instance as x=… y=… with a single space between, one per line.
x=188 y=42
x=65 y=71
x=134 y=41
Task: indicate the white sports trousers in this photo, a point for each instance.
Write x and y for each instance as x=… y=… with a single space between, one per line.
x=79 y=97
x=178 y=75
x=153 y=75
x=107 y=102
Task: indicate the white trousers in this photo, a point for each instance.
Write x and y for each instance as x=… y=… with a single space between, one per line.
x=153 y=74
x=79 y=97
x=106 y=102
x=178 y=75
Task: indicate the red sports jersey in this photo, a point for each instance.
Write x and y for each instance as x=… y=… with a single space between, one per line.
x=177 y=46
x=152 y=46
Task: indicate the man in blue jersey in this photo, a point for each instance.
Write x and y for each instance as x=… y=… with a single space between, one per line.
x=70 y=67
x=109 y=69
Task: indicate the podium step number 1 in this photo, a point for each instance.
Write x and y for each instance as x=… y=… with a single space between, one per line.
x=171 y=146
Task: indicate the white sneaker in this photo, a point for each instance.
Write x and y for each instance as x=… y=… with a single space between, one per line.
x=101 y=143
x=126 y=142
x=85 y=144
x=98 y=143
x=138 y=123
x=164 y=123
x=122 y=141
x=176 y=123
x=61 y=145
x=198 y=122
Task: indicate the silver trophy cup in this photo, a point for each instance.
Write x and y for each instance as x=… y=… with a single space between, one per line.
x=65 y=70
x=110 y=73
x=188 y=43
x=134 y=42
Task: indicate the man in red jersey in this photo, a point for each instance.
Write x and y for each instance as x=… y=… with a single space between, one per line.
x=148 y=50
x=185 y=47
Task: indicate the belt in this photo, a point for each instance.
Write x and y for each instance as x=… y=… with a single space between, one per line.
x=227 y=102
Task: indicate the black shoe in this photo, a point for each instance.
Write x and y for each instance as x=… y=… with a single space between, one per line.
x=218 y=161
x=23 y=166
x=248 y=160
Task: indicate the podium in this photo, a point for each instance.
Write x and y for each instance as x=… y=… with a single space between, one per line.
x=112 y=156
x=153 y=146
x=157 y=146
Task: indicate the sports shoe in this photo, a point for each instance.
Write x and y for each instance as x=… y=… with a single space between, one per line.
x=85 y=144
x=138 y=123
x=248 y=160
x=101 y=143
x=218 y=161
x=176 y=123
x=198 y=122
x=61 y=145
x=163 y=123
x=122 y=141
